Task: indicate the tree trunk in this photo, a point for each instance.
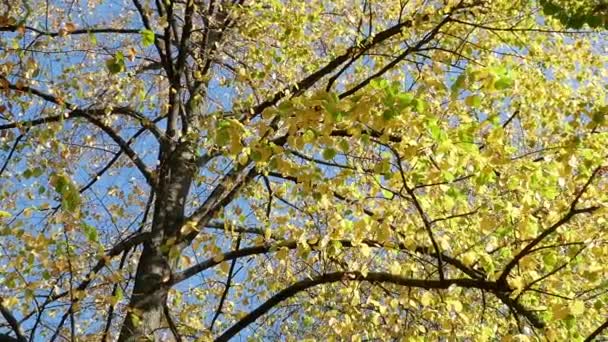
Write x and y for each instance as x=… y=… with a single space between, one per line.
x=148 y=297
x=145 y=312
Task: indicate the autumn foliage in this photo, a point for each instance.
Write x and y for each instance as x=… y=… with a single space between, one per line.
x=201 y=170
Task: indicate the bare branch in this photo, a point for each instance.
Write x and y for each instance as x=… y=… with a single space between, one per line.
x=227 y=287
x=427 y=222
x=103 y=170
x=11 y=152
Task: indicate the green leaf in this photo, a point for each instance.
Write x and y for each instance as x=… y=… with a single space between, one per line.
x=308 y=321
x=459 y=83
x=60 y=182
x=419 y=105
x=549 y=8
x=387 y=194
x=222 y=137
x=5 y=214
x=224 y=124
x=473 y=101
x=309 y=136
x=503 y=82
x=71 y=200
x=436 y=132
x=147 y=37
x=92 y=38
x=598 y=305
x=389 y=114
x=404 y=99
x=594 y=21
x=69 y=193
x=90 y=232
x=256 y=155
x=116 y=64
x=329 y=153
x=599 y=116
x=35 y=172
x=344 y=146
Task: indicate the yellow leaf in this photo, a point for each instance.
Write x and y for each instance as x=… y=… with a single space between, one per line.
x=269 y=268
x=518 y=283
x=551 y=335
x=10 y=302
x=282 y=253
x=456 y=305
x=473 y=101
x=487 y=224
x=243 y=158
x=559 y=311
x=468 y=258
x=427 y=298
x=365 y=250
x=218 y=257
x=577 y=308
x=395 y=268
x=189 y=227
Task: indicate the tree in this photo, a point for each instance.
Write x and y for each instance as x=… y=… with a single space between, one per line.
x=578 y=13
x=321 y=170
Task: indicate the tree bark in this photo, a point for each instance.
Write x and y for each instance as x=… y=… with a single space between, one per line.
x=152 y=279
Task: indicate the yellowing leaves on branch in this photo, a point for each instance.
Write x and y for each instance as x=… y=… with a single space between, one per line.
x=214 y=170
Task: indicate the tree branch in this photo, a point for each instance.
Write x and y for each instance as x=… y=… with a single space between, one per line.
x=571 y=213
x=221 y=195
x=430 y=36
x=122 y=246
x=293 y=244
x=12 y=321
x=102 y=171
x=312 y=79
x=165 y=60
x=124 y=146
x=171 y=323
x=8 y=338
x=92 y=30
x=426 y=221
x=352 y=276
x=91 y=115
x=227 y=287
x=11 y=152
x=597 y=332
